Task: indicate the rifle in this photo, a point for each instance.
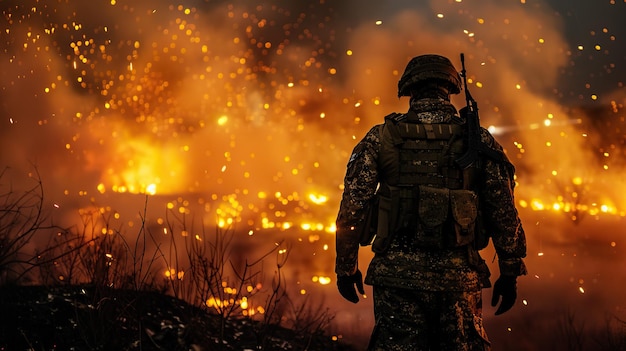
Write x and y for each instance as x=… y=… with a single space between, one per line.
x=468 y=162
x=472 y=121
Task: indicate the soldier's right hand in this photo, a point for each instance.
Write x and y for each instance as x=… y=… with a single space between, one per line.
x=348 y=286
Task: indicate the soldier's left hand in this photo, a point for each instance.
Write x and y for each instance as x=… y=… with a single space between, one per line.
x=505 y=287
x=349 y=284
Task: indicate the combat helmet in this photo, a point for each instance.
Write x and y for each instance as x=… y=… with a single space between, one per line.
x=429 y=67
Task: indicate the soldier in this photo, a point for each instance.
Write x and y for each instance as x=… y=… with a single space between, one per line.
x=431 y=217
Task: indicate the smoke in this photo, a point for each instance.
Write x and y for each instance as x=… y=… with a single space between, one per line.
x=515 y=54
x=214 y=98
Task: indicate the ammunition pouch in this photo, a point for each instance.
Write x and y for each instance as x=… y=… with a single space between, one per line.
x=447 y=217
x=438 y=217
x=433 y=211
x=464 y=207
x=471 y=176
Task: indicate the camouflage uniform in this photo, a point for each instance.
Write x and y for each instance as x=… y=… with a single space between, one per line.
x=427 y=299
x=426 y=320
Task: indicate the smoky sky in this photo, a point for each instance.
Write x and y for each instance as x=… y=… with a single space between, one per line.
x=593 y=25
x=590 y=24
x=231 y=97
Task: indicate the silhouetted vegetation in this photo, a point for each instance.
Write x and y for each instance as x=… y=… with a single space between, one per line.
x=93 y=288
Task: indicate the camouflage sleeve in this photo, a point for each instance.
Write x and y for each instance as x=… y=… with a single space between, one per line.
x=360 y=185
x=500 y=215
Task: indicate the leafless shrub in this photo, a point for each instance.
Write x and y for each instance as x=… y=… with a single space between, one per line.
x=98 y=254
x=274 y=310
x=572 y=331
x=612 y=336
x=22 y=217
x=217 y=277
x=307 y=318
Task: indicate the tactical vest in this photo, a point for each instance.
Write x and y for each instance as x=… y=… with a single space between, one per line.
x=422 y=189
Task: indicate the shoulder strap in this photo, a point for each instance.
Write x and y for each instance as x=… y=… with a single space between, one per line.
x=391 y=122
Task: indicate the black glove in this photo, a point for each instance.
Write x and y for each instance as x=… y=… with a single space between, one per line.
x=346 y=285
x=505 y=286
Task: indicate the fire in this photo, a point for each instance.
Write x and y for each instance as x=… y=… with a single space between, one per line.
x=323 y=280
x=232 y=298
x=318 y=199
x=222 y=120
x=560 y=205
x=173 y=274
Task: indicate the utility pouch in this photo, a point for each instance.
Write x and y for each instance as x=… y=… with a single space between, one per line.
x=478 y=263
x=368 y=228
x=481 y=236
x=433 y=209
x=385 y=226
x=464 y=206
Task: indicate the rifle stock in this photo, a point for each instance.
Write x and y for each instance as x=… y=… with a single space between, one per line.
x=472 y=122
x=471 y=154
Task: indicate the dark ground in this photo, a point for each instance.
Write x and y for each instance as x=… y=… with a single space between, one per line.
x=85 y=318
